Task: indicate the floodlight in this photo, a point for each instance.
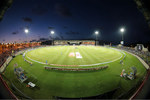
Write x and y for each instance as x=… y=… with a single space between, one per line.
x=26 y=31
x=96 y=32
x=52 y=32
x=122 y=30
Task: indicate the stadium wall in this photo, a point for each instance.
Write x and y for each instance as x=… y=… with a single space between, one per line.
x=9 y=91
x=140 y=87
x=3 y=67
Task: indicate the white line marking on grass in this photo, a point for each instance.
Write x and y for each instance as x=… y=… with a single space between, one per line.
x=83 y=65
x=35 y=60
x=32 y=59
x=103 y=62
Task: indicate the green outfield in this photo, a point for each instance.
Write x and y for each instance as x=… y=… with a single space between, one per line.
x=66 y=55
x=70 y=84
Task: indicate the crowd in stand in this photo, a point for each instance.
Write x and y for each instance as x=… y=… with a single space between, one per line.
x=3 y=57
x=7 y=50
x=145 y=55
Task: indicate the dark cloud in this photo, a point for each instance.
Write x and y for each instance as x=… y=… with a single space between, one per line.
x=33 y=40
x=39 y=36
x=51 y=28
x=57 y=38
x=27 y=19
x=99 y=27
x=72 y=33
x=14 y=33
x=27 y=27
x=65 y=27
x=63 y=10
x=21 y=28
x=39 y=10
x=43 y=39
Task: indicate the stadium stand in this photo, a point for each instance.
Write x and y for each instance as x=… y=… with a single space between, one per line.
x=76 y=42
x=145 y=55
x=7 y=48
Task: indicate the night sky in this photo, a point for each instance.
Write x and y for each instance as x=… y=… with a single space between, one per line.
x=74 y=19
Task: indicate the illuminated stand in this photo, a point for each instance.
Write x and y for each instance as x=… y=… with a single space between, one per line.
x=13 y=54
x=140 y=47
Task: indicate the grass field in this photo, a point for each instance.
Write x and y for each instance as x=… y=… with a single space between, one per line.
x=65 y=55
x=50 y=83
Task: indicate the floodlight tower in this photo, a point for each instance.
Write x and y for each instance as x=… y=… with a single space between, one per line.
x=52 y=32
x=96 y=33
x=26 y=32
x=122 y=30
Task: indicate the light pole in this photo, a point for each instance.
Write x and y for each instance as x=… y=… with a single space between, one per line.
x=52 y=32
x=26 y=32
x=96 y=33
x=122 y=32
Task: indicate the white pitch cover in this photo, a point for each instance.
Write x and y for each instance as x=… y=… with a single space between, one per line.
x=78 y=55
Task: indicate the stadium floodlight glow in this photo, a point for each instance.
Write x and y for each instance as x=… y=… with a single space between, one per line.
x=122 y=30
x=26 y=31
x=96 y=32
x=52 y=32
